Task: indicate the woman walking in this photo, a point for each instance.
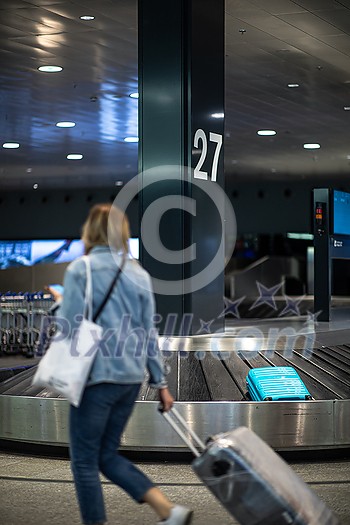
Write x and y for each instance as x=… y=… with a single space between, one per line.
x=128 y=348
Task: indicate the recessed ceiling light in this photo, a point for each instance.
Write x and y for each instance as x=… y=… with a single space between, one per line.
x=87 y=17
x=131 y=139
x=50 y=69
x=10 y=145
x=266 y=132
x=346 y=108
x=74 y=156
x=134 y=95
x=218 y=115
x=35 y=186
x=312 y=146
x=293 y=85
x=65 y=124
x=118 y=183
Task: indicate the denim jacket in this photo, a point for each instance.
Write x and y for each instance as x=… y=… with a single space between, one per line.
x=129 y=345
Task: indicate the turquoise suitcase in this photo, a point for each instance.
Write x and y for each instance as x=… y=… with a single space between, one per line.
x=276 y=383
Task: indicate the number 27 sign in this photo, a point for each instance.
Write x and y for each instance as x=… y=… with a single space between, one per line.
x=213 y=137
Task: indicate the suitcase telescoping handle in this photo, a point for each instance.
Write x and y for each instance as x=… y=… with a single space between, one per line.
x=182 y=429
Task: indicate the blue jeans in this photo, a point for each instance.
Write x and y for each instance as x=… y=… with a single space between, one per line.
x=95 y=430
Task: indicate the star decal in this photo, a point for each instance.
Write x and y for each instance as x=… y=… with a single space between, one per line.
x=205 y=327
x=312 y=317
x=231 y=307
x=292 y=305
x=266 y=295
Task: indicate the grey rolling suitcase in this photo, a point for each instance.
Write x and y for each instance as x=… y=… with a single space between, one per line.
x=250 y=480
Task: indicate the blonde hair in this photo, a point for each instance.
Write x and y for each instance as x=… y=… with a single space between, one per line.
x=106 y=225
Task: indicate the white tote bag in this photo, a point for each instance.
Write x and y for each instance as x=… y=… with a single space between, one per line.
x=67 y=363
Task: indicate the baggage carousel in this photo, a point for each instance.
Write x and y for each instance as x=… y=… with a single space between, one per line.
x=208 y=379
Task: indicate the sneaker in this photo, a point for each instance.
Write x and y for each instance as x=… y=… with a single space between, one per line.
x=178 y=516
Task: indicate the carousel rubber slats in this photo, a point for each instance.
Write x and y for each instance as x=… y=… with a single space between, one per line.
x=324 y=379
x=325 y=373
x=7 y=373
x=38 y=391
x=171 y=362
x=317 y=390
x=23 y=388
x=238 y=369
x=192 y=384
x=343 y=350
x=151 y=394
x=335 y=352
x=220 y=384
x=330 y=364
x=144 y=390
x=253 y=360
x=16 y=380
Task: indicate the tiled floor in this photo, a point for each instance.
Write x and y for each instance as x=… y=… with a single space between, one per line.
x=40 y=491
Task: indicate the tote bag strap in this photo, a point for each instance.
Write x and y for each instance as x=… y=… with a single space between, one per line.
x=113 y=283
x=88 y=290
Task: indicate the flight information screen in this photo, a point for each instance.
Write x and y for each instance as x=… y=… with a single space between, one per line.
x=14 y=254
x=341 y=212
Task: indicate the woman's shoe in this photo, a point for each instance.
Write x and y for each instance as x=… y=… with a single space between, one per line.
x=178 y=516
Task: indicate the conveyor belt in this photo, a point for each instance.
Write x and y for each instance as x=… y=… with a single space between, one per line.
x=209 y=383
x=326 y=374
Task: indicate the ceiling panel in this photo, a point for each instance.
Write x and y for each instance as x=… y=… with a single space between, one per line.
x=12 y=4
x=269 y=43
x=310 y=24
x=320 y=5
x=339 y=42
x=277 y=7
x=339 y=18
x=28 y=26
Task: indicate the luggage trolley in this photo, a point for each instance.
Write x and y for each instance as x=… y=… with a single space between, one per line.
x=21 y=316
x=39 y=304
x=8 y=326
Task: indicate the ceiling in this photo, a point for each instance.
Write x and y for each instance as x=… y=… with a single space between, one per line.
x=269 y=44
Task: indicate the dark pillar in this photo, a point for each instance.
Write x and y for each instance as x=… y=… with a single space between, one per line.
x=181 y=85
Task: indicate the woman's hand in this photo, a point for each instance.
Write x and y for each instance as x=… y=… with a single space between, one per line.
x=57 y=296
x=166 y=399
